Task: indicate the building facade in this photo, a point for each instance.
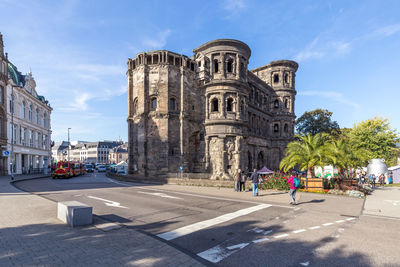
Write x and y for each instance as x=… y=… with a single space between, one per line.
x=3 y=108
x=208 y=113
x=118 y=154
x=93 y=152
x=28 y=124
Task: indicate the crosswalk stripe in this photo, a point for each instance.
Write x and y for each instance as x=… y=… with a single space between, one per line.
x=188 y=229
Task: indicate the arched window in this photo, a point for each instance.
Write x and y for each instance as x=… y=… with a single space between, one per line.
x=153 y=103
x=276 y=103
x=214 y=105
x=229 y=104
x=286 y=78
x=23 y=109
x=44 y=120
x=276 y=128
x=229 y=65
x=286 y=128
x=37 y=116
x=242 y=106
x=215 y=65
x=30 y=112
x=172 y=104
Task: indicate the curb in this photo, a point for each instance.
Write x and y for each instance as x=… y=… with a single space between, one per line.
x=27 y=179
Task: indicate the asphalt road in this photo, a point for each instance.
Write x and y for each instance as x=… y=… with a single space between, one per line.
x=233 y=229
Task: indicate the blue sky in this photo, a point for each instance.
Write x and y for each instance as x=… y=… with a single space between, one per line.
x=348 y=52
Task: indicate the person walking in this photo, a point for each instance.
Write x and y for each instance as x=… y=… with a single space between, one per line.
x=373 y=181
x=242 y=182
x=293 y=189
x=254 y=182
x=382 y=179
x=237 y=180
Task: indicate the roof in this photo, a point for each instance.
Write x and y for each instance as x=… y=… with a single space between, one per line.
x=394 y=168
x=15 y=75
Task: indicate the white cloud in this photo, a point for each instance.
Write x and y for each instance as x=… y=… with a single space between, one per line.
x=319 y=49
x=388 y=30
x=234 y=7
x=332 y=95
x=157 y=42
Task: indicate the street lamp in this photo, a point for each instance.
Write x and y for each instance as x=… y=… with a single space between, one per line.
x=68 y=142
x=12 y=131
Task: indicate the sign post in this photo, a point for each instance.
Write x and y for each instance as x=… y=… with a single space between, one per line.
x=181 y=169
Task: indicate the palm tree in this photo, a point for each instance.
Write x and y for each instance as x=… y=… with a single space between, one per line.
x=306 y=152
x=342 y=155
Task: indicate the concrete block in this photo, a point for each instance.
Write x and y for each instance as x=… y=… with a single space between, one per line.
x=74 y=213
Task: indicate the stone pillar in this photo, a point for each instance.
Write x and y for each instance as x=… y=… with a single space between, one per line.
x=237 y=67
x=18 y=161
x=207 y=139
x=41 y=162
x=223 y=109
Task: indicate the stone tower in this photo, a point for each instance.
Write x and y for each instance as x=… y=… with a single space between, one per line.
x=280 y=76
x=208 y=114
x=162 y=118
x=223 y=75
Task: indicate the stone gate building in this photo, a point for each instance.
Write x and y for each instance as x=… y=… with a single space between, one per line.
x=208 y=113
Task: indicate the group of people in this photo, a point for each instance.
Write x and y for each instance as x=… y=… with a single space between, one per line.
x=240 y=181
x=371 y=179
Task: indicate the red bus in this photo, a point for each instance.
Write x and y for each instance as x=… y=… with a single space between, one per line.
x=67 y=169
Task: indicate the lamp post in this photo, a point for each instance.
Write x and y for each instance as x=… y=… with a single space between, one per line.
x=68 y=142
x=12 y=131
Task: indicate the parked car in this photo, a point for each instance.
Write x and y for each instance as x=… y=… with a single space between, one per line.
x=89 y=168
x=101 y=168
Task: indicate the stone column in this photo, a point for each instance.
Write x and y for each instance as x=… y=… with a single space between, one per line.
x=207 y=140
x=18 y=165
x=223 y=109
x=237 y=67
x=41 y=162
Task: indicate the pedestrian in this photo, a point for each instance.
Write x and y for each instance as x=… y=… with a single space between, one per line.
x=237 y=180
x=362 y=178
x=382 y=179
x=242 y=182
x=254 y=182
x=373 y=180
x=293 y=189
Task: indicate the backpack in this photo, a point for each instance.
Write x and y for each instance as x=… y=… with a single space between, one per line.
x=296 y=182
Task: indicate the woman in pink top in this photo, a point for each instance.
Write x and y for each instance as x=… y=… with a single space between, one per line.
x=292 y=191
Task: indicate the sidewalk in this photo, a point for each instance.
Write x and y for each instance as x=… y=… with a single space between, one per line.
x=32 y=235
x=384 y=201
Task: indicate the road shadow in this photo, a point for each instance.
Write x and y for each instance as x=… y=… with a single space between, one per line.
x=311 y=201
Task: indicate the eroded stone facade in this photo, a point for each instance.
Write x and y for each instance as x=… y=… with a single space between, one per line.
x=208 y=113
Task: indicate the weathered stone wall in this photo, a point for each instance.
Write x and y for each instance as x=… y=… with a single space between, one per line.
x=212 y=116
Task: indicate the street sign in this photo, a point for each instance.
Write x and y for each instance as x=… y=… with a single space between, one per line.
x=6 y=153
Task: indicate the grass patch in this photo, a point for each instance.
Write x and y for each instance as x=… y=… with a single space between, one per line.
x=395 y=185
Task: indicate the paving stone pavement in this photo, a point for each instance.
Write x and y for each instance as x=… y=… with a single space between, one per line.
x=31 y=235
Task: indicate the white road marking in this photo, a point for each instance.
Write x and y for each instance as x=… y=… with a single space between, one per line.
x=350 y=219
x=267 y=232
x=205 y=224
x=305 y=263
x=216 y=254
x=298 y=231
x=314 y=227
x=260 y=240
x=256 y=230
x=282 y=235
x=340 y=221
x=116 y=182
x=109 y=202
x=327 y=224
x=239 y=246
x=160 y=195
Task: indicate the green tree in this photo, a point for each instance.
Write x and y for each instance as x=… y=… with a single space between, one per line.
x=305 y=153
x=317 y=121
x=376 y=139
x=340 y=153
